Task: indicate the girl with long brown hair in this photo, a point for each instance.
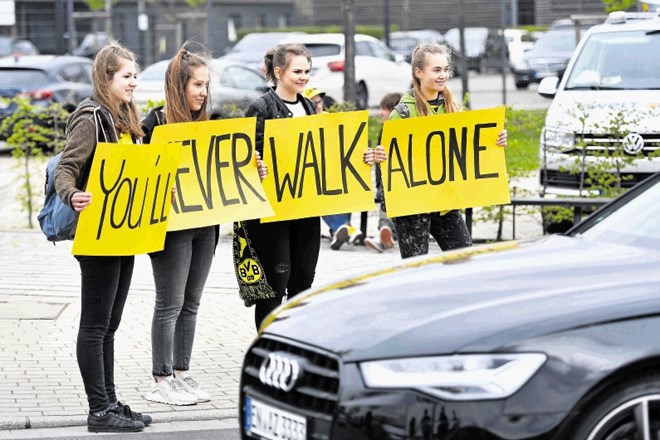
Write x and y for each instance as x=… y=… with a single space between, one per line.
x=431 y=69
x=110 y=115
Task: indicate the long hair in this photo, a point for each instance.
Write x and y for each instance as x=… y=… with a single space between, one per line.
x=106 y=64
x=419 y=61
x=179 y=72
x=280 y=56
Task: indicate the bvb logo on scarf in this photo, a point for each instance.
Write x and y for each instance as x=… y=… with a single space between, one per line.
x=252 y=283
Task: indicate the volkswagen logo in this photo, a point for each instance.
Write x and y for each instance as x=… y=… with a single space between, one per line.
x=633 y=143
x=280 y=371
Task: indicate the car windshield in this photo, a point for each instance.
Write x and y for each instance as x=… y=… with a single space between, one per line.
x=21 y=78
x=155 y=72
x=323 y=50
x=555 y=42
x=618 y=60
x=636 y=223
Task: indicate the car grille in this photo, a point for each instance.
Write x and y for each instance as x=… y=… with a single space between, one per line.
x=564 y=179
x=596 y=145
x=318 y=387
x=549 y=66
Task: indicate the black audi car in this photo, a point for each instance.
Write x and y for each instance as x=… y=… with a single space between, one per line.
x=554 y=338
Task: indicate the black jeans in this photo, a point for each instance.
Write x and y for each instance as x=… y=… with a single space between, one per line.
x=288 y=251
x=104 y=288
x=449 y=230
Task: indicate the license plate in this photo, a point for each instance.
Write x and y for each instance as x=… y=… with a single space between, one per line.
x=273 y=423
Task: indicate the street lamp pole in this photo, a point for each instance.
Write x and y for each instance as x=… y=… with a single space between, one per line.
x=387 y=22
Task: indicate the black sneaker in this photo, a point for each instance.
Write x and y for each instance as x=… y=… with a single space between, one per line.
x=134 y=415
x=112 y=421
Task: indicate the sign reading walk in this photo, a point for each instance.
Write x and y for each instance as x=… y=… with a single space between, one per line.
x=316 y=165
x=444 y=162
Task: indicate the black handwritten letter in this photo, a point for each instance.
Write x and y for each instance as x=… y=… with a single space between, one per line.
x=456 y=155
x=443 y=157
x=478 y=149
x=346 y=157
x=394 y=148
x=106 y=193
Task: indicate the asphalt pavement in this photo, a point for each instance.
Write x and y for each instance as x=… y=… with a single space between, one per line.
x=40 y=383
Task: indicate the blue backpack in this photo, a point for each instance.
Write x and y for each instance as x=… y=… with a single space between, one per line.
x=57 y=220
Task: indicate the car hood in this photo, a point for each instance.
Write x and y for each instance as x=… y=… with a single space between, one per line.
x=474 y=300
x=597 y=107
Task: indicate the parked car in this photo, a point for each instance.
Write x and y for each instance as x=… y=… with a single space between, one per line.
x=403 y=42
x=92 y=43
x=252 y=47
x=378 y=70
x=553 y=338
x=483 y=48
x=233 y=86
x=44 y=79
x=10 y=46
x=518 y=41
x=613 y=75
x=548 y=56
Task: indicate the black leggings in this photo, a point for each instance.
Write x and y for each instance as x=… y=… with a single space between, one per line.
x=288 y=251
x=104 y=288
x=449 y=230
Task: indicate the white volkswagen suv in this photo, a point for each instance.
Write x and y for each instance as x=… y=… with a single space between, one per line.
x=378 y=70
x=602 y=129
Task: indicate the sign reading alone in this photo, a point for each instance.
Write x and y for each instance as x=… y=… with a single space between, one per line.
x=217 y=180
x=315 y=165
x=132 y=192
x=444 y=162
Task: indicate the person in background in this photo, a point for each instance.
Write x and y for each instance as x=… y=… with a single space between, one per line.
x=339 y=225
x=287 y=250
x=110 y=115
x=431 y=69
x=385 y=239
x=182 y=267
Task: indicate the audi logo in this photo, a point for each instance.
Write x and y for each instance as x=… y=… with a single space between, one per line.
x=633 y=143
x=280 y=372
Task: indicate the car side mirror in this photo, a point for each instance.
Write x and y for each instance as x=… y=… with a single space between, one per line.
x=548 y=87
x=398 y=58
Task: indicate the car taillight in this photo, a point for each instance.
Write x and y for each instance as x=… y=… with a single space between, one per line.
x=40 y=94
x=336 y=66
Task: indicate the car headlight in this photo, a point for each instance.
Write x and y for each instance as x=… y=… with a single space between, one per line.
x=459 y=377
x=555 y=138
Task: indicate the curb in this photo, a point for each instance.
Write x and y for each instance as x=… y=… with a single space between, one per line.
x=37 y=422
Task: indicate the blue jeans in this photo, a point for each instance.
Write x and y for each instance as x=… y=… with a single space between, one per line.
x=180 y=272
x=335 y=221
x=104 y=287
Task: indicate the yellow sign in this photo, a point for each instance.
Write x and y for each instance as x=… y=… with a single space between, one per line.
x=131 y=188
x=217 y=180
x=315 y=165
x=444 y=162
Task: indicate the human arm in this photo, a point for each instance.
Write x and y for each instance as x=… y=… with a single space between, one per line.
x=258 y=108
x=71 y=171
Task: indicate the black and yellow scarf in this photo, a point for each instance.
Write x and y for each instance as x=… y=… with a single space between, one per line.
x=252 y=283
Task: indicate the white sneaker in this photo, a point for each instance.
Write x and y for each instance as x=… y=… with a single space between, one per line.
x=192 y=387
x=170 y=392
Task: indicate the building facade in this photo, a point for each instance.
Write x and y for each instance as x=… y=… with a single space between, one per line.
x=155 y=29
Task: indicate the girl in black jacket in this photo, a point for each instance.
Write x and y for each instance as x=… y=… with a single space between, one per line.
x=287 y=250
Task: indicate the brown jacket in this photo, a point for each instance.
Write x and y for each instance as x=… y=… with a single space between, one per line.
x=88 y=124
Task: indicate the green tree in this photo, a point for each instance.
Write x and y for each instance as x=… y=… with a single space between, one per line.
x=619 y=5
x=29 y=129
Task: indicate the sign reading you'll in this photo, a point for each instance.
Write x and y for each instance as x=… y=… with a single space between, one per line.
x=217 y=179
x=444 y=162
x=131 y=186
x=316 y=165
